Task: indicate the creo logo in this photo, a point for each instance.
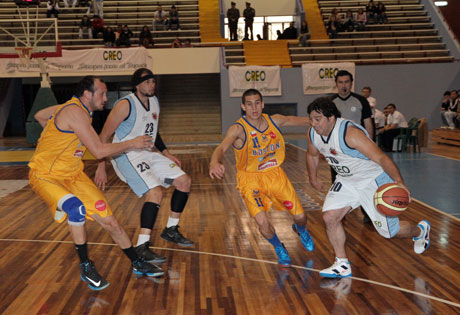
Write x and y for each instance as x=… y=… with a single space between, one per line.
x=112 y=55
x=255 y=76
x=327 y=73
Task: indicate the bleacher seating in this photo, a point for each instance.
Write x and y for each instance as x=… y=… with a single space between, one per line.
x=134 y=13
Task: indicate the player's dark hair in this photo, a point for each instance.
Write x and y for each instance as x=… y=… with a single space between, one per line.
x=325 y=106
x=137 y=75
x=391 y=105
x=86 y=84
x=342 y=73
x=366 y=88
x=249 y=93
x=447 y=93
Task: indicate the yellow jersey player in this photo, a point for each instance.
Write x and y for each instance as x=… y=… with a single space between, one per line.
x=56 y=175
x=259 y=150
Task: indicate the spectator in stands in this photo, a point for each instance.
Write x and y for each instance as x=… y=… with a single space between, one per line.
x=367 y=91
x=159 y=19
x=173 y=21
x=187 y=43
x=125 y=37
x=52 y=7
x=349 y=21
x=371 y=9
x=361 y=20
x=176 y=43
x=380 y=13
x=85 y=28
x=109 y=37
x=332 y=26
x=97 y=25
x=249 y=14
x=259 y=37
x=118 y=32
x=451 y=112
x=279 y=35
x=290 y=32
x=66 y=3
x=99 y=8
x=233 y=14
x=338 y=17
x=304 y=34
x=379 y=118
x=145 y=37
x=444 y=107
x=395 y=121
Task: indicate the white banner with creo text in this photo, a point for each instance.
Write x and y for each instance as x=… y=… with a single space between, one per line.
x=319 y=78
x=87 y=61
x=265 y=79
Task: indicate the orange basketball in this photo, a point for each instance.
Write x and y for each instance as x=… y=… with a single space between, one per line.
x=391 y=199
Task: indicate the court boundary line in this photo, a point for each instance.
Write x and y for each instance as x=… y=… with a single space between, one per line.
x=255 y=260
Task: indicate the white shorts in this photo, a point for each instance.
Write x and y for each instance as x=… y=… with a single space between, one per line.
x=346 y=193
x=145 y=170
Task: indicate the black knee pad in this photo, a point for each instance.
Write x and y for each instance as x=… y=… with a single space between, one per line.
x=178 y=201
x=149 y=215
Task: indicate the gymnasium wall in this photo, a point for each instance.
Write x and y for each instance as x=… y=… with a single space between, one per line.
x=264 y=7
x=416 y=90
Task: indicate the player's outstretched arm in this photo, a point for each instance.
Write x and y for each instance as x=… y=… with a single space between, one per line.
x=355 y=138
x=216 y=168
x=43 y=115
x=312 y=164
x=282 y=120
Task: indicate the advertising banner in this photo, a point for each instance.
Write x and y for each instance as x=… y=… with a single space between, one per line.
x=265 y=79
x=319 y=78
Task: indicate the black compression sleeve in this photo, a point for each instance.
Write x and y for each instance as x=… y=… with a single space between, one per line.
x=159 y=144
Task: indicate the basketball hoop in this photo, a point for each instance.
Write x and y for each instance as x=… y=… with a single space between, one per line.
x=24 y=53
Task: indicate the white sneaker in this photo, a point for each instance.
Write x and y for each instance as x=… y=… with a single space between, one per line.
x=340 y=269
x=421 y=243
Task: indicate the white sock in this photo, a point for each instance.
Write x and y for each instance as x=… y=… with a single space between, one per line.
x=142 y=239
x=172 y=222
x=342 y=259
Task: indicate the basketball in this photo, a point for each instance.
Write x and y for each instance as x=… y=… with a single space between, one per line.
x=391 y=199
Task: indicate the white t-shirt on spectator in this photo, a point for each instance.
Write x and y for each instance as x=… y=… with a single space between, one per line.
x=160 y=15
x=379 y=118
x=397 y=119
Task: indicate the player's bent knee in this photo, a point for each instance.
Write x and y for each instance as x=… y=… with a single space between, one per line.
x=183 y=182
x=74 y=208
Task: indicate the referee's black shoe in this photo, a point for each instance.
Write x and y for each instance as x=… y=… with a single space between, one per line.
x=88 y=274
x=141 y=267
x=149 y=255
x=172 y=234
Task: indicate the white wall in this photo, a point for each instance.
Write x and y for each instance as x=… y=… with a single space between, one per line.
x=264 y=7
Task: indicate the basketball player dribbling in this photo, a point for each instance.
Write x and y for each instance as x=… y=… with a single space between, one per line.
x=259 y=150
x=57 y=176
x=361 y=168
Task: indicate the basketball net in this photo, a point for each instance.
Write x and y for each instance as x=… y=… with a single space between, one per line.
x=24 y=54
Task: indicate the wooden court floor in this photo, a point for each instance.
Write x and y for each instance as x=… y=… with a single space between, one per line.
x=231 y=269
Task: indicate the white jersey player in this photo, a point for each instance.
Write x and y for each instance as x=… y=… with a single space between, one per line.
x=361 y=168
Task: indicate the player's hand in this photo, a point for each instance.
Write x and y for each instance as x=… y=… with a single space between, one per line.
x=172 y=157
x=405 y=188
x=317 y=185
x=142 y=143
x=216 y=171
x=100 y=178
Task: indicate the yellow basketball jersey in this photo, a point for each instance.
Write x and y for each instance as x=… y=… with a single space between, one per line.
x=59 y=152
x=262 y=150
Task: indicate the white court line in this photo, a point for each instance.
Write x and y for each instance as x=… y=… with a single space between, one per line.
x=254 y=260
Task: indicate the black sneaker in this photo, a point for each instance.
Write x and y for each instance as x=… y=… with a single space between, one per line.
x=89 y=275
x=172 y=234
x=141 y=267
x=149 y=255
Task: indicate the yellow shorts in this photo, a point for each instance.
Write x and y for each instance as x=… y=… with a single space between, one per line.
x=262 y=191
x=52 y=189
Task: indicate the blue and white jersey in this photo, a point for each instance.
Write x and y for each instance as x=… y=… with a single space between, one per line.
x=141 y=121
x=349 y=163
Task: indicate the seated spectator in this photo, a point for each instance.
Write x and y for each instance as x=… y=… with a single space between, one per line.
x=85 y=28
x=370 y=11
x=159 y=19
x=176 y=43
x=349 y=21
x=173 y=21
x=451 y=112
x=361 y=20
x=332 y=26
x=395 y=121
x=187 y=43
x=52 y=7
x=338 y=17
x=145 y=37
x=66 y=3
x=290 y=32
x=109 y=37
x=259 y=37
x=379 y=119
x=125 y=37
x=380 y=13
x=279 y=35
x=97 y=25
x=444 y=107
x=304 y=34
x=118 y=32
